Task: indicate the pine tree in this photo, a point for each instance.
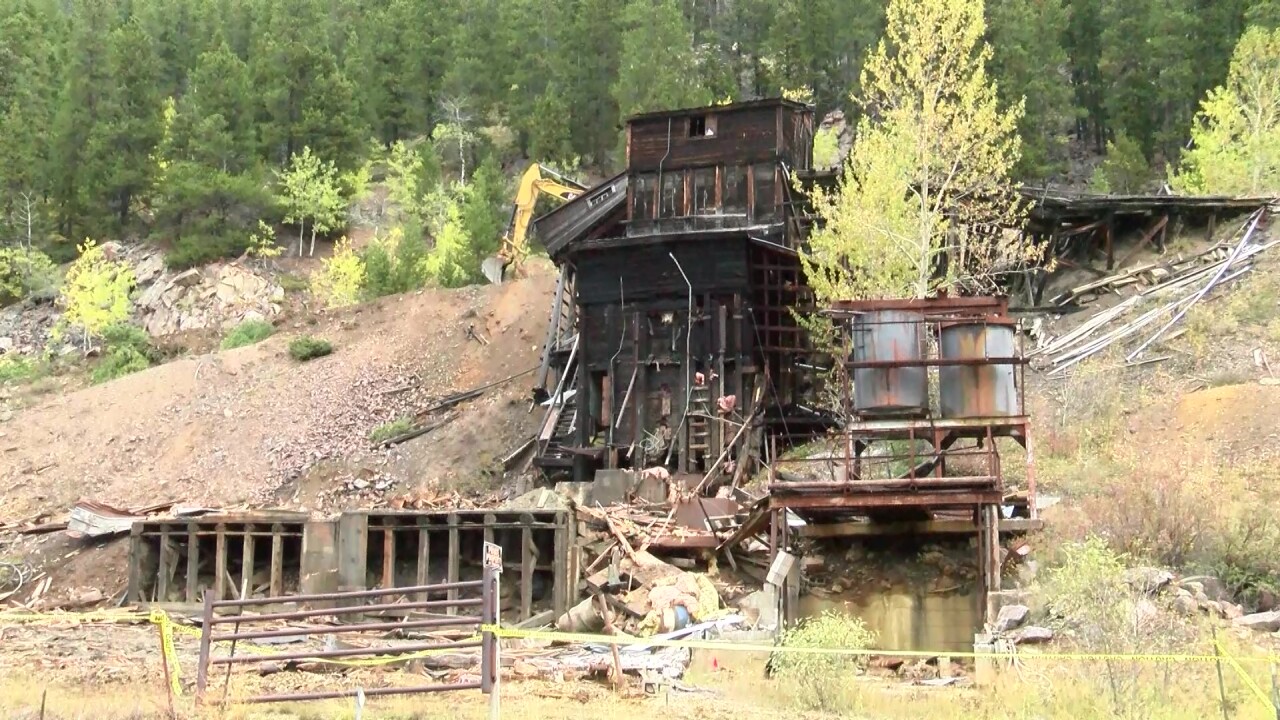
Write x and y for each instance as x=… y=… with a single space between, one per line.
x=28 y=57
x=657 y=67
x=1030 y=61
x=127 y=128
x=86 y=79
x=213 y=190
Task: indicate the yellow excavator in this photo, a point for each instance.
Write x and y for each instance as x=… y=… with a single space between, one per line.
x=535 y=181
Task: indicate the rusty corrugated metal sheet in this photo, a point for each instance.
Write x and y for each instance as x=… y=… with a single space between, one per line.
x=889 y=336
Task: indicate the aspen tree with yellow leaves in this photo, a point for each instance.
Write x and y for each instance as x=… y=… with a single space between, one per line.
x=925 y=200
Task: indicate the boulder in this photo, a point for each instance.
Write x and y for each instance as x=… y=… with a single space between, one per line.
x=1144 y=611
x=1149 y=580
x=1262 y=622
x=1032 y=634
x=1186 y=605
x=187 y=278
x=1011 y=616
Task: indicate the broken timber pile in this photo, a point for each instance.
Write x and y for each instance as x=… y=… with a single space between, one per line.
x=1189 y=281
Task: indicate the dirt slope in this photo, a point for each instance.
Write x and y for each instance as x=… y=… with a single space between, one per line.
x=253 y=426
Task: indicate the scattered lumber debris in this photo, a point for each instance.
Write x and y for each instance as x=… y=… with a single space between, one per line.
x=94 y=519
x=1186 y=283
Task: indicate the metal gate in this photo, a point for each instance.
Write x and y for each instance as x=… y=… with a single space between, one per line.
x=352 y=606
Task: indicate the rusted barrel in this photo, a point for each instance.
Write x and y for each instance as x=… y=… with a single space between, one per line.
x=977 y=391
x=885 y=336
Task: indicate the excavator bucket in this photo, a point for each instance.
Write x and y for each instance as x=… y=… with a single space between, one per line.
x=493 y=268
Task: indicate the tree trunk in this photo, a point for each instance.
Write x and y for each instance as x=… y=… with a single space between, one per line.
x=302 y=228
x=312 y=252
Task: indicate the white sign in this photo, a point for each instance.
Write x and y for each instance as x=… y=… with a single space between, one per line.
x=493 y=556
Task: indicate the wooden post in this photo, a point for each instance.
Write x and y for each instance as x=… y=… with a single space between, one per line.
x=162 y=567
x=454 y=560
x=528 y=562
x=220 y=563
x=277 y=561
x=246 y=564
x=424 y=555
x=388 y=553
x=193 y=564
x=206 y=631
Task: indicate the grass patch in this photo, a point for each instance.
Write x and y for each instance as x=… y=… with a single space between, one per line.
x=127 y=349
x=823 y=682
x=386 y=431
x=306 y=348
x=247 y=333
x=291 y=283
x=14 y=368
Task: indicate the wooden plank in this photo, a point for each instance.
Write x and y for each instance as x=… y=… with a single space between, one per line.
x=220 y=564
x=388 y=554
x=193 y=564
x=527 y=560
x=277 y=560
x=136 y=552
x=246 y=565
x=424 y=555
x=563 y=583
x=454 y=561
x=162 y=567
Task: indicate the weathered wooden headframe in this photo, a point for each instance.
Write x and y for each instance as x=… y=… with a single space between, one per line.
x=684 y=288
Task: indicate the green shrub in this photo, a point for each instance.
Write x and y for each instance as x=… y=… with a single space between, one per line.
x=823 y=682
x=386 y=431
x=395 y=263
x=26 y=273
x=306 y=348
x=1125 y=169
x=15 y=368
x=248 y=332
x=291 y=283
x=126 y=350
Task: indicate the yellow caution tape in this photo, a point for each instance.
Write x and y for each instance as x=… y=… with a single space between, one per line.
x=1246 y=677
x=161 y=620
x=619 y=640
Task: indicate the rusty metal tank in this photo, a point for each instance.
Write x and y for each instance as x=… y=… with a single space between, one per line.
x=884 y=336
x=972 y=391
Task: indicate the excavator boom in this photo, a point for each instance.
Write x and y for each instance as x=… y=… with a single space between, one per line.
x=536 y=181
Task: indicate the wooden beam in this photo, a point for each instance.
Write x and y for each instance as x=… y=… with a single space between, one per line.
x=424 y=555
x=527 y=561
x=277 y=560
x=454 y=562
x=923 y=527
x=162 y=567
x=246 y=563
x=220 y=564
x=388 y=553
x=193 y=564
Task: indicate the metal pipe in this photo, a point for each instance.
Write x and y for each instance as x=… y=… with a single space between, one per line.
x=352 y=610
x=349 y=652
x=870 y=485
x=368 y=692
x=334 y=629
x=353 y=595
x=688 y=362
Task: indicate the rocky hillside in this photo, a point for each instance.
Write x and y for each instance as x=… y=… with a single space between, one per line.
x=254 y=426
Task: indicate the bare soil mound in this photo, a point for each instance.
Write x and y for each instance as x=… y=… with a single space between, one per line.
x=252 y=426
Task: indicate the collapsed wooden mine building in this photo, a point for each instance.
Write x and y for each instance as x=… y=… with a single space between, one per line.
x=674 y=350
x=675 y=304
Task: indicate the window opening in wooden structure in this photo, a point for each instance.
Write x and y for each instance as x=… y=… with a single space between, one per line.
x=704 y=192
x=643 y=197
x=672 y=203
x=764 y=193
